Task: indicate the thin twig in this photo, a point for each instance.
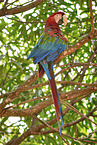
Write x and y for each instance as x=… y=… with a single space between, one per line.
x=75 y=65
x=26 y=21
x=56 y=130
x=75 y=110
x=4 y=6
x=78 y=139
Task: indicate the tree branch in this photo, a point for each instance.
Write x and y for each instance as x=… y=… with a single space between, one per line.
x=79 y=139
x=60 y=82
x=38 y=107
x=1 y=1
x=72 y=49
x=75 y=110
x=26 y=22
x=91 y=16
x=74 y=65
x=20 y=9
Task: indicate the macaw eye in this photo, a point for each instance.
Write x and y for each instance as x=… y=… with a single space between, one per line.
x=57 y=15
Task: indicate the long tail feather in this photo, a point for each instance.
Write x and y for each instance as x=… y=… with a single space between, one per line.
x=55 y=96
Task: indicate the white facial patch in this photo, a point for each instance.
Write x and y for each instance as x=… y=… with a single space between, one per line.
x=57 y=17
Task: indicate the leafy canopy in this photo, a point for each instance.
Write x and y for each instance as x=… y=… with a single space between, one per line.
x=29 y=96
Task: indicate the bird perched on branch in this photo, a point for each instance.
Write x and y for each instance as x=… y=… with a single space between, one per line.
x=47 y=49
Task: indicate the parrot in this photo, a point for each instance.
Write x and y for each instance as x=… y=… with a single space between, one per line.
x=50 y=44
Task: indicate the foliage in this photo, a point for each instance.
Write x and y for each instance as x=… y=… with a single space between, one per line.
x=76 y=75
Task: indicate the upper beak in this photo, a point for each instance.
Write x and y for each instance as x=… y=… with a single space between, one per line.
x=65 y=20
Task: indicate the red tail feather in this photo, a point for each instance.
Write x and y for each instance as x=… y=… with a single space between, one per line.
x=55 y=96
x=54 y=90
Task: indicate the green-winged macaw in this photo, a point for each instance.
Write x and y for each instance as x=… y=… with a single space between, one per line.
x=47 y=49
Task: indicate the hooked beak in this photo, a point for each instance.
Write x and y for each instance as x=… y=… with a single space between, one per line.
x=65 y=20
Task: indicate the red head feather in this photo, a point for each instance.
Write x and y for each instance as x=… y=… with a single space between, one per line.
x=55 y=29
x=50 y=23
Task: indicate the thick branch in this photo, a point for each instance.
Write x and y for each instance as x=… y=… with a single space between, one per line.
x=76 y=46
x=38 y=107
x=20 y=9
x=1 y=1
x=91 y=16
x=60 y=82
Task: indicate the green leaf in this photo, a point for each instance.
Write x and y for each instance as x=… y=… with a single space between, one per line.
x=22 y=60
x=18 y=65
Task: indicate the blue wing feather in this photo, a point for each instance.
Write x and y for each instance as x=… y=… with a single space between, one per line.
x=47 y=48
